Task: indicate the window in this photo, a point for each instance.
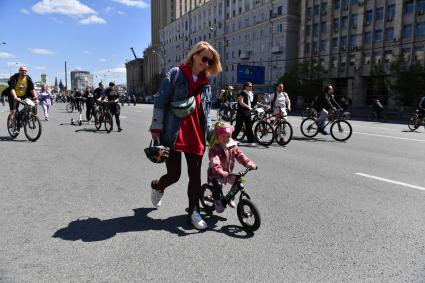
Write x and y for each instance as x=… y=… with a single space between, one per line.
x=353 y=40
x=378 y=35
x=316 y=10
x=367 y=38
x=354 y=2
x=369 y=17
x=367 y=58
x=307 y=48
x=420 y=5
x=388 y=55
x=316 y=30
x=344 y=22
x=391 y=12
x=420 y=29
x=406 y=54
x=419 y=53
x=408 y=8
x=322 y=45
x=307 y=30
x=324 y=27
x=279 y=10
x=315 y=47
x=389 y=34
x=335 y=42
x=336 y=25
x=309 y=10
x=343 y=42
x=354 y=20
x=407 y=31
x=337 y=5
x=380 y=14
x=324 y=8
x=280 y=28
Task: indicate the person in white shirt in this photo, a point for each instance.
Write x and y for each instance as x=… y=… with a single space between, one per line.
x=279 y=101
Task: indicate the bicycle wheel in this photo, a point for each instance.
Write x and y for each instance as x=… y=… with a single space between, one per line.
x=341 y=130
x=13 y=134
x=69 y=107
x=412 y=122
x=241 y=135
x=98 y=120
x=32 y=127
x=283 y=133
x=248 y=215
x=264 y=133
x=108 y=122
x=309 y=127
x=207 y=199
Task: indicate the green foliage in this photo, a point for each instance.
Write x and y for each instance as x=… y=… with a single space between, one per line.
x=379 y=80
x=304 y=79
x=2 y=87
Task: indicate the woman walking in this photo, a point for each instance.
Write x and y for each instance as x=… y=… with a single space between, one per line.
x=45 y=101
x=243 y=114
x=185 y=129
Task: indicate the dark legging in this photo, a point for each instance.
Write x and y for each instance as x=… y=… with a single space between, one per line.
x=90 y=108
x=174 y=165
x=243 y=119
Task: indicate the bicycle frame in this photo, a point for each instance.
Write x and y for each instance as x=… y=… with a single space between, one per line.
x=237 y=187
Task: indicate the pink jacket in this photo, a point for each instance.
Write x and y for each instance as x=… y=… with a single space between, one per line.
x=223 y=159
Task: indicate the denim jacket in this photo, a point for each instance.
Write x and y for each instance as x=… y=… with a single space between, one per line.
x=163 y=118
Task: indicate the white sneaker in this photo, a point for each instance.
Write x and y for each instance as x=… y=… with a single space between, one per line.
x=197 y=221
x=156 y=197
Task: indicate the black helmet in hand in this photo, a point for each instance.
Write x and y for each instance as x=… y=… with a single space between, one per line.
x=157 y=153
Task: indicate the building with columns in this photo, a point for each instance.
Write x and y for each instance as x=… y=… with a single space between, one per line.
x=134 y=71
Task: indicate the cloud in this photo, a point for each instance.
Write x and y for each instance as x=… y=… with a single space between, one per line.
x=10 y=64
x=41 y=51
x=121 y=13
x=64 y=7
x=109 y=9
x=133 y=3
x=118 y=70
x=40 y=68
x=24 y=11
x=93 y=19
x=7 y=55
x=102 y=60
x=86 y=52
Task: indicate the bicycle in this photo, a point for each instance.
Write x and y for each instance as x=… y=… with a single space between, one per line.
x=103 y=115
x=27 y=119
x=372 y=115
x=247 y=212
x=341 y=129
x=415 y=120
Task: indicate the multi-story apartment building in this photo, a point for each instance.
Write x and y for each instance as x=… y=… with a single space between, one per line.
x=134 y=71
x=262 y=33
x=81 y=79
x=349 y=37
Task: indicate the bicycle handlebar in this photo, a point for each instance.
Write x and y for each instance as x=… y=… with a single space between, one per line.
x=242 y=173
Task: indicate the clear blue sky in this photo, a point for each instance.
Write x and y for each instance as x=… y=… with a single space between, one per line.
x=90 y=35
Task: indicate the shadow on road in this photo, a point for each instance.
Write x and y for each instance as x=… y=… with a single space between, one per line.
x=9 y=139
x=95 y=229
x=89 y=130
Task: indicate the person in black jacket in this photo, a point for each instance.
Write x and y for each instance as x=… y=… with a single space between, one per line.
x=20 y=87
x=90 y=103
x=322 y=105
x=243 y=115
x=113 y=96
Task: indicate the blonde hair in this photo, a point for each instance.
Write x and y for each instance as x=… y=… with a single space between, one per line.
x=217 y=125
x=213 y=69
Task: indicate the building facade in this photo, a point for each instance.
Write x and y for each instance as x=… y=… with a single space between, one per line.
x=134 y=71
x=350 y=37
x=81 y=79
x=262 y=33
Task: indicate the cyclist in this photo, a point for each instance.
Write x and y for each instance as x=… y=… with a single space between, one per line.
x=90 y=103
x=378 y=108
x=322 y=105
x=112 y=95
x=20 y=87
x=279 y=101
x=243 y=115
x=421 y=112
x=99 y=92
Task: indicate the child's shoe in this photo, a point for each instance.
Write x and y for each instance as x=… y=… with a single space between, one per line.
x=218 y=206
x=232 y=203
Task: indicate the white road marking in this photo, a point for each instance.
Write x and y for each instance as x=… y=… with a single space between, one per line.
x=390 y=137
x=391 y=181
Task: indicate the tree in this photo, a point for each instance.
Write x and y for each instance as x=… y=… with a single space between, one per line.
x=407 y=82
x=379 y=81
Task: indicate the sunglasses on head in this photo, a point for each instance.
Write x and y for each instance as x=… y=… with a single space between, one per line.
x=205 y=59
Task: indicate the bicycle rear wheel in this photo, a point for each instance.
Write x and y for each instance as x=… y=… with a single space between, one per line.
x=13 y=134
x=341 y=130
x=309 y=127
x=248 y=215
x=412 y=122
x=32 y=127
x=69 y=108
x=108 y=122
x=283 y=133
x=264 y=133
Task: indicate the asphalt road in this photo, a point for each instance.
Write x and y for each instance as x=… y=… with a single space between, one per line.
x=75 y=207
